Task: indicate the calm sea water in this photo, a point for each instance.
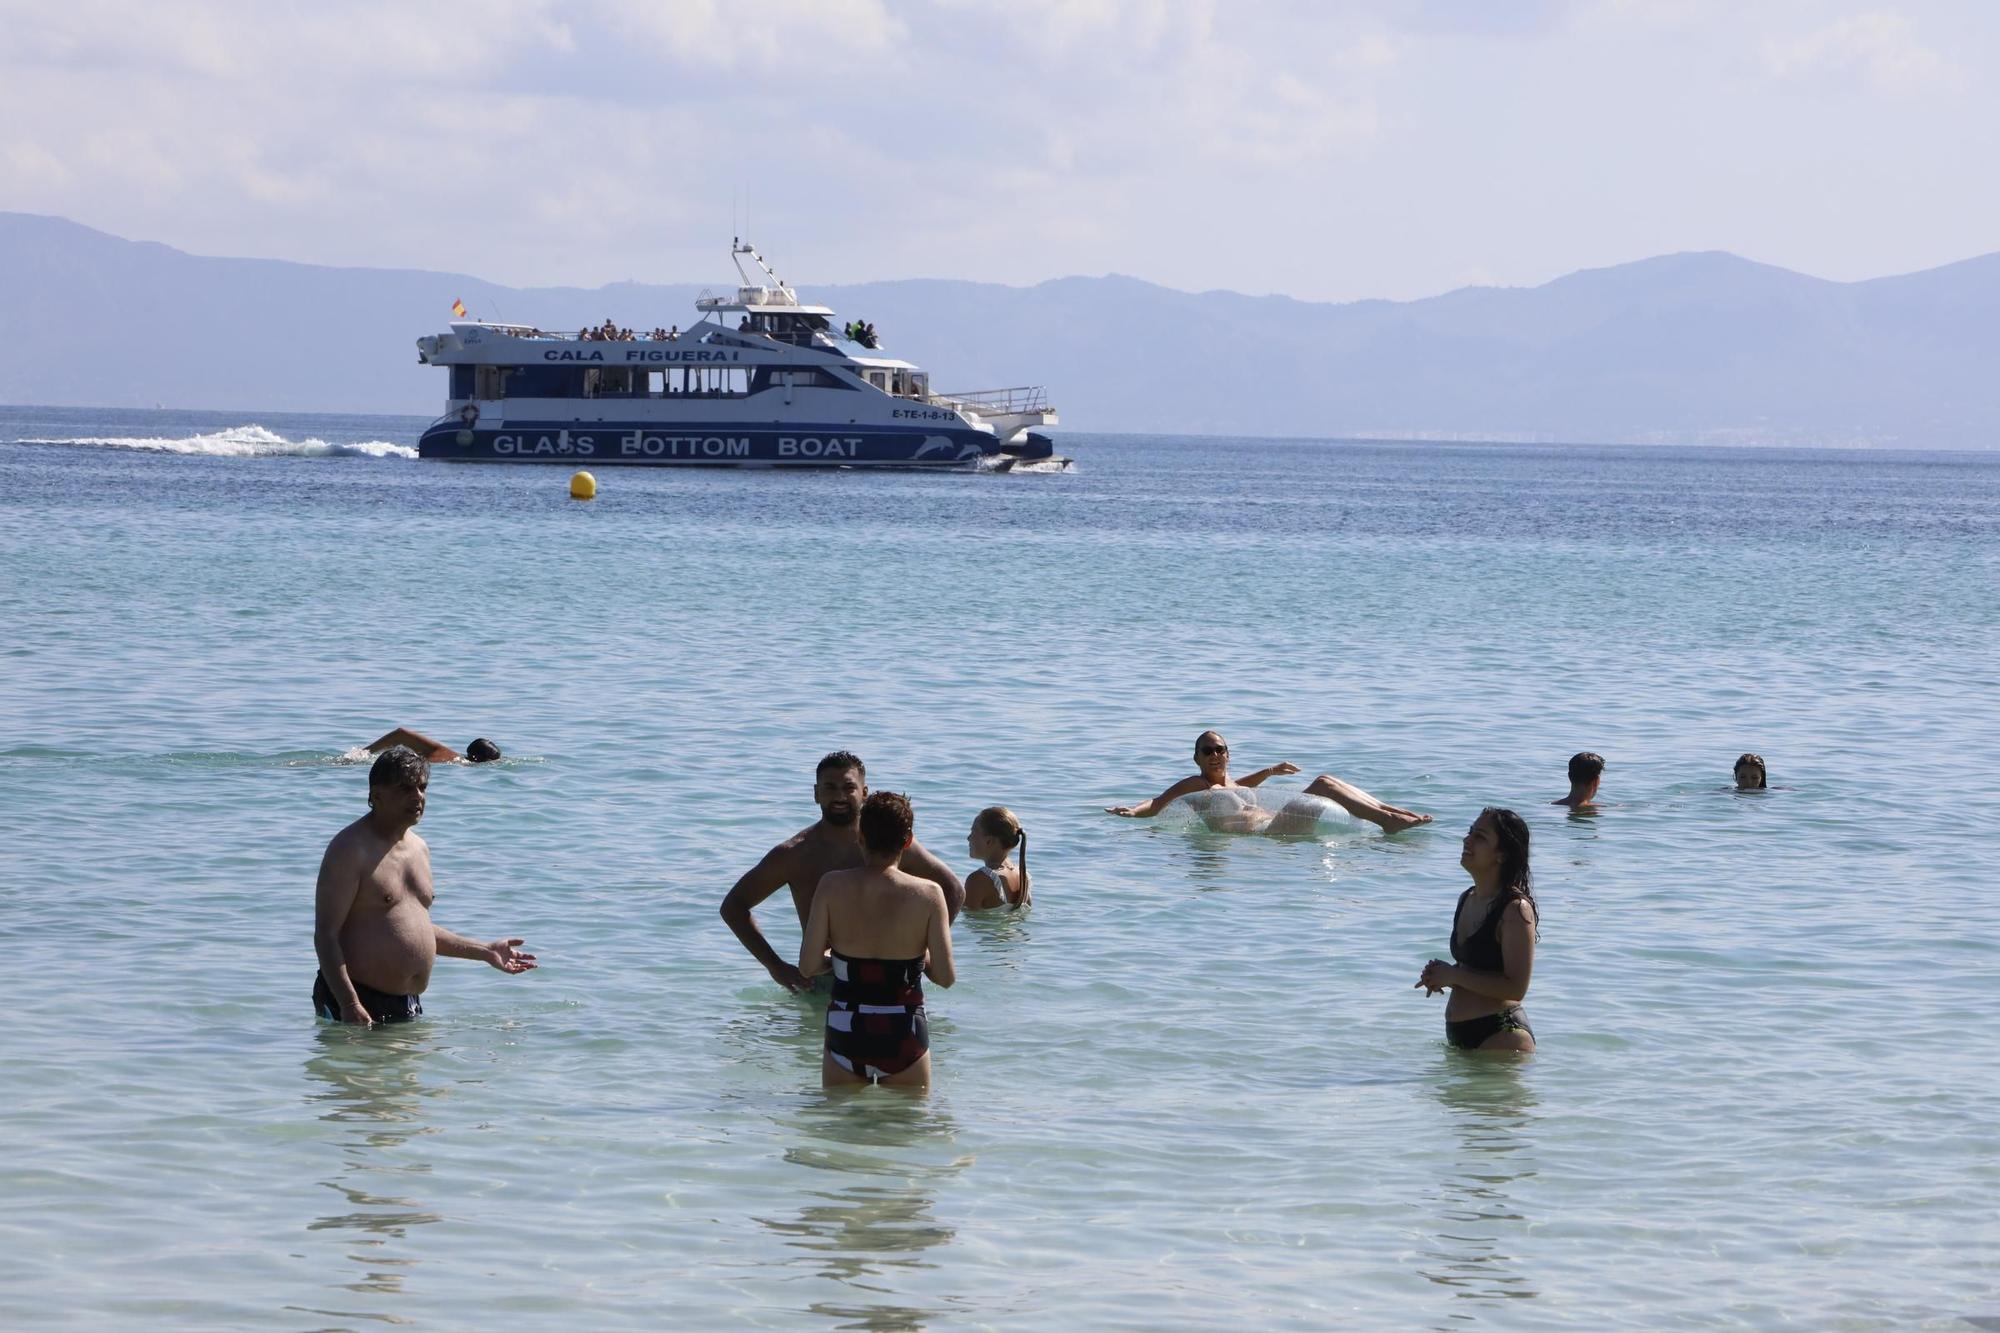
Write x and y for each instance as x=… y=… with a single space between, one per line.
x=1192 y=1087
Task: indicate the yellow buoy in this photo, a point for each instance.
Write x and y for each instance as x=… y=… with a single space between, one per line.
x=583 y=486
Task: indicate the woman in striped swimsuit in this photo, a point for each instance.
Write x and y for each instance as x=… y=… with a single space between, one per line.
x=881 y=931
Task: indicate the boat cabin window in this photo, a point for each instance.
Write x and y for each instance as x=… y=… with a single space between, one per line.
x=604 y=382
x=811 y=377
x=797 y=330
x=880 y=379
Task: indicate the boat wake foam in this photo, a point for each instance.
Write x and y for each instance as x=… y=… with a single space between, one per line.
x=238 y=442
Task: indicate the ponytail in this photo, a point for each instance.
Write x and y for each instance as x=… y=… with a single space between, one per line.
x=1021 y=840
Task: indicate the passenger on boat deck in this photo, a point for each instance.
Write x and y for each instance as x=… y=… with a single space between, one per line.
x=674 y=334
x=481 y=751
x=1586 y=770
x=840 y=785
x=1211 y=758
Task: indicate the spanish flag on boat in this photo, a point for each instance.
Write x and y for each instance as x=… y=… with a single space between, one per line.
x=458 y=308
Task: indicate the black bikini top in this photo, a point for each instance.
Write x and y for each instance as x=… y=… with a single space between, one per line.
x=1481 y=949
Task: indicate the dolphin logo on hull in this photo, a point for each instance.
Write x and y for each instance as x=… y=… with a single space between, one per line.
x=935 y=445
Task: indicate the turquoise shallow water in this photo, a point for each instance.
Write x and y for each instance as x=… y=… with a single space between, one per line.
x=1192 y=1087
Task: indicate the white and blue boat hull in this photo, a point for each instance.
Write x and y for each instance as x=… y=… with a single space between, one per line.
x=706 y=444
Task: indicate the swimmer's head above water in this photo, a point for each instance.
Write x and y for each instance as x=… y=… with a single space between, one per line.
x=481 y=751
x=888 y=826
x=1586 y=770
x=1211 y=754
x=1750 y=774
x=995 y=832
x=840 y=785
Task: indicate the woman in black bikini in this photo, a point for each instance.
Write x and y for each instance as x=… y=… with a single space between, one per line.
x=881 y=931
x=1492 y=940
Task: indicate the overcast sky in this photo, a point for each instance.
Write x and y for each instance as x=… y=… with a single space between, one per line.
x=1330 y=151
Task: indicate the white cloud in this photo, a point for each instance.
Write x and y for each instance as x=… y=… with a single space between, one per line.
x=787 y=38
x=1416 y=141
x=1880 y=46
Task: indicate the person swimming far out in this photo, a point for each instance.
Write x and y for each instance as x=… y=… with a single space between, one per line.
x=481 y=751
x=1586 y=771
x=1493 y=933
x=993 y=882
x=881 y=930
x=1750 y=773
x=1211 y=758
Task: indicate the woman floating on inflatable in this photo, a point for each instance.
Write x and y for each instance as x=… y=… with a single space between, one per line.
x=1229 y=810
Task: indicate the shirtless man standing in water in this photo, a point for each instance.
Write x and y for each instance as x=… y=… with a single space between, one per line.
x=840 y=785
x=372 y=922
x=1211 y=761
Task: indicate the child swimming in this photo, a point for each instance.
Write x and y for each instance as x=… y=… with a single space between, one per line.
x=993 y=882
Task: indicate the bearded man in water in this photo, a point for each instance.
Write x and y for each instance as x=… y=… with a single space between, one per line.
x=372 y=924
x=840 y=785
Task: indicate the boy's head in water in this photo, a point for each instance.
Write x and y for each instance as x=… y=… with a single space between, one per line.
x=1586 y=770
x=887 y=826
x=481 y=751
x=1750 y=775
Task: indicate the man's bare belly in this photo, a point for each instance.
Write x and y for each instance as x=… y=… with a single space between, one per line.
x=392 y=950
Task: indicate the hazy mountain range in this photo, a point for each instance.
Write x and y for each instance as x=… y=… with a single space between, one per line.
x=1687 y=347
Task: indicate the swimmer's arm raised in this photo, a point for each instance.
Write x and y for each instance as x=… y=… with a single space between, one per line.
x=917 y=860
x=417 y=741
x=758 y=883
x=333 y=899
x=1147 y=809
x=938 y=966
x=1278 y=769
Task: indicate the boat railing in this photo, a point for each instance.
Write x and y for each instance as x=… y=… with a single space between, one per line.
x=996 y=402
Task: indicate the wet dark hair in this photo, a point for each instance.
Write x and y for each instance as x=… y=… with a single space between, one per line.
x=839 y=762
x=482 y=751
x=1585 y=766
x=887 y=822
x=1510 y=831
x=399 y=766
x=1756 y=761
